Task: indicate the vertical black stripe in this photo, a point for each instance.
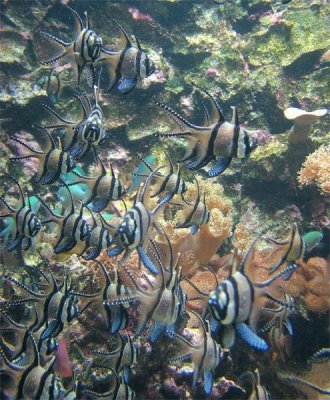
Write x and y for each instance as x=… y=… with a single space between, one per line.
x=234 y=145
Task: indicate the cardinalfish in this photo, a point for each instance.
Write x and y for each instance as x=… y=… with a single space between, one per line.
x=54 y=161
x=73 y=228
x=29 y=380
x=122 y=358
x=258 y=391
x=171 y=183
x=196 y=214
x=236 y=302
x=27 y=225
x=134 y=228
x=103 y=188
x=161 y=306
x=216 y=139
x=86 y=134
x=112 y=300
x=128 y=65
x=295 y=247
x=54 y=85
x=205 y=355
x=82 y=52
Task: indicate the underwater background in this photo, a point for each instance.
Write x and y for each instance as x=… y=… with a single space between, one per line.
x=198 y=266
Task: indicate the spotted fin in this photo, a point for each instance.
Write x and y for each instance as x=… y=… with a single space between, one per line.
x=146 y=261
x=165 y=199
x=98 y=204
x=115 y=251
x=48 y=332
x=126 y=374
x=288 y=326
x=208 y=381
x=194 y=229
x=65 y=244
x=92 y=253
x=219 y=167
x=119 y=321
x=156 y=331
x=251 y=338
x=12 y=245
x=126 y=85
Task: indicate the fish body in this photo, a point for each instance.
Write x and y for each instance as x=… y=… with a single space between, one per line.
x=54 y=161
x=82 y=52
x=259 y=392
x=54 y=85
x=27 y=224
x=236 y=302
x=217 y=139
x=128 y=65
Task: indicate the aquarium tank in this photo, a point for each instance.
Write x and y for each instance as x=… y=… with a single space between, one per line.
x=164 y=199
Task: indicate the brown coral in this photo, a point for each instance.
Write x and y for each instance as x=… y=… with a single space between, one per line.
x=316 y=169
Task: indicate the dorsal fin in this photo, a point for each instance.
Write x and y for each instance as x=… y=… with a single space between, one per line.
x=234 y=119
x=22 y=199
x=140 y=196
x=88 y=25
x=79 y=26
x=48 y=135
x=170 y=161
x=216 y=113
x=137 y=43
x=124 y=38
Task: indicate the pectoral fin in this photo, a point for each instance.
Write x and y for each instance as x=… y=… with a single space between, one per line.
x=219 y=167
x=147 y=262
x=126 y=85
x=251 y=338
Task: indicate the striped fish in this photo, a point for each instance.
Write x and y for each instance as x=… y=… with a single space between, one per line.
x=216 y=139
x=82 y=52
x=196 y=214
x=54 y=161
x=103 y=188
x=294 y=247
x=73 y=227
x=205 y=355
x=122 y=358
x=54 y=85
x=235 y=303
x=171 y=183
x=27 y=224
x=258 y=392
x=31 y=380
x=128 y=65
x=86 y=134
x=134 y=228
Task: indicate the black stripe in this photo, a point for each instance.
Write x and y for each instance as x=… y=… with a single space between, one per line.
x=234 y=145
x=290 y=247
x=213 y=136
x=22 y=381
x=163 y=185
x=82 y=47
x=119 y=360
x=42 y=383
x=120 y=63
x=138 y=61
x=236 y=296
x=141 y=224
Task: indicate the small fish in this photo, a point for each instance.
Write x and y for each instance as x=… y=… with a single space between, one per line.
x=55 y=85
x=196 y=214
x=216 y=139
x=27 y=224
x=86 y=134
x=205 y=355
x=31 y=380
x=295 y=246
x=103 y=188
x=235 y=303
x=73 y=227
x=258 y=392
x=134 y=228
x=54 y=161
x=128 y=65
x=122 y=358
x=82 y=52
x=170 y=183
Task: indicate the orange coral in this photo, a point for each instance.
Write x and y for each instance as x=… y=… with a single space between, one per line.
x=316 y=169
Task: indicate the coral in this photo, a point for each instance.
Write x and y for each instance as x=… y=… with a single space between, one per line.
x=315 y=170
x=200 y=248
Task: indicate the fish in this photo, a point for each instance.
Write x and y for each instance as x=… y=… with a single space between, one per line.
x=112 y=300
x=258 y=392
x=31 y=380
x=196 y=214
x=171 y=183
x=86 y=134
x=54 y=85
x=163 y=305
x=73 y=228
x=235 y=303
x=294 y=247
x=205 y=355
x=27 y=223
x=128 y=65
x=83 y=51
x=216 y=139
x=134 y=228
x=103 y=188
x=122 y=358
x=54 y=161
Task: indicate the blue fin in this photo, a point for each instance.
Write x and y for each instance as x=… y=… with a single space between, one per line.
x=115 y=251
x=48 y=332
x=12 y=245
x=126 y=374
x=199 y=164
x=92 y=253
x=156 y=331
x=117 y=321
x=65 y=244
x=208 y=381
x=194 y=229
x=219 y=167
x=170 y=330
x=289 y=326
x=26 y=243
x=48 y=178
x=251 y=338
x=214 y=325
x=78 y=150
x=165 y=199
x=99 y=204
x=146 y=261
x=126 y=85
x=287 y=276
x=52 y=98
